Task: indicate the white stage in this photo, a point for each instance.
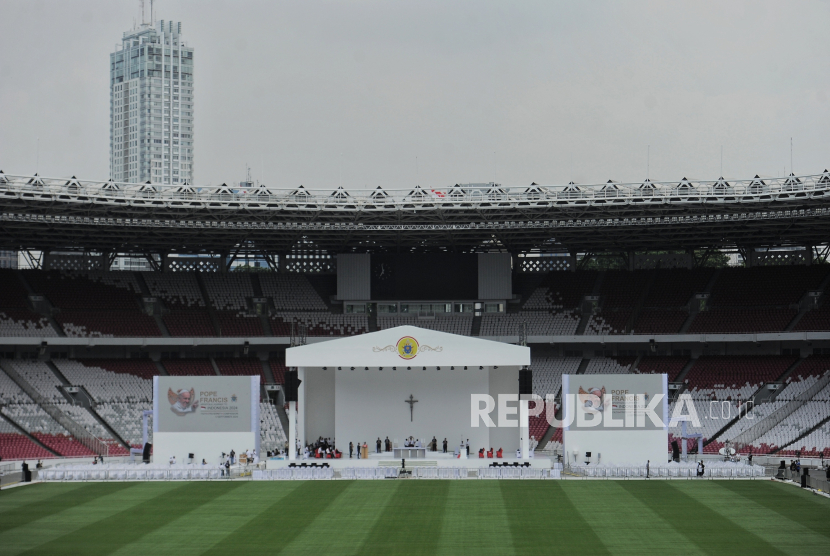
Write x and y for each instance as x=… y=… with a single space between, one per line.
x=433 y=459
x=359 y=388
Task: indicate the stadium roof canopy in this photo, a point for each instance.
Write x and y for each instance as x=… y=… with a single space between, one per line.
x=68 y=213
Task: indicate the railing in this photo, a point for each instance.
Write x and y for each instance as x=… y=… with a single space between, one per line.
x=668 y=472
x=684 y=191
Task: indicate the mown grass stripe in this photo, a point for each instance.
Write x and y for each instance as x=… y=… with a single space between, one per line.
x=32 y=494
x=199 y=530
x=40 y=531
x=44 y=506
x=794 y=504
x=122 y=528
x=620 y=519
x=544 y=521
x=709 y=530
x=475 y=520
x=278 y=524
x=786 y=534
x=344 y=525
x=411 y=521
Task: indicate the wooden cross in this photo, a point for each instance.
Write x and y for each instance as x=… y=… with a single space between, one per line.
x=411 y=401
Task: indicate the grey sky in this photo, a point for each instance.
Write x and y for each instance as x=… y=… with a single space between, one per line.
x=547 y=92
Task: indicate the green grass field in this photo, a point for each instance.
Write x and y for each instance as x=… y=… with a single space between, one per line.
x=414 y=517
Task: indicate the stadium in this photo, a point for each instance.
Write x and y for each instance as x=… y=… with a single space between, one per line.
x=356 y=314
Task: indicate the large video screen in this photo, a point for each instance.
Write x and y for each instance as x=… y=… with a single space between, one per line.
x=598 y=402
x=203 y=404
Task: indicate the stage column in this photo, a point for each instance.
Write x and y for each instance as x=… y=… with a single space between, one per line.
x=302 y=405
x=292 y=431
x=524 y=427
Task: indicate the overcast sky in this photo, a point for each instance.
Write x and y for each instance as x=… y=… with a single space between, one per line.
x=318 y=92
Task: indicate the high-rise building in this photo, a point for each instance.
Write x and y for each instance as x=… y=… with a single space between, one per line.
x=151 y=106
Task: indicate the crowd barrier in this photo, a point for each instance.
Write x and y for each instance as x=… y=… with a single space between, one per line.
x=141 y=472
x=137 y=472
x=439 y=472
x=369 y=473
x=733 y=471
x=518 y=473
x=294 y=473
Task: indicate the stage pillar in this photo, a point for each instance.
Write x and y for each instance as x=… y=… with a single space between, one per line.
x=301 y=421
x=524 y=428
x=292 y=431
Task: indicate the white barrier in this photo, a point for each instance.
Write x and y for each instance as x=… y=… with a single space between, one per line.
x=130 y=472
x=294 y=473
x=184 y=472
x=728 y=470
x=518 y=473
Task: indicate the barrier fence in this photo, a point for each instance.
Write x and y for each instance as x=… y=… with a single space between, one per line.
x=655 y=472
x=138 y=472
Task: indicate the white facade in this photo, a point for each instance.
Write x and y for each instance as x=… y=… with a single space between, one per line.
x=355 y=388
x=151 y=106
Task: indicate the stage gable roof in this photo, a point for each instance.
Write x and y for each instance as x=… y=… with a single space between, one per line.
x=407 y=346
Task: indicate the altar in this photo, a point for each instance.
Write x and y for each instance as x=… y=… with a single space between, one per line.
x=409 y=452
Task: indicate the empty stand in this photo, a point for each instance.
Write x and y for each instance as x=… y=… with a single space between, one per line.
x=94 y=304
x=16 y=318
x=241 y=367
x=452 y=324
x=105 y=385
x=739 y=320
x=188 y=367
x=538 y=323
x=291 y=292
x=320 y=324
x=272 y=435
x=609 y=365
x=671 y=366
x=126 y=419
x=278 y=369
x=14 y=445
x=186 y=313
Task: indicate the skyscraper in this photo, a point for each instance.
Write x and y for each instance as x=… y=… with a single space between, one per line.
x=151 y=106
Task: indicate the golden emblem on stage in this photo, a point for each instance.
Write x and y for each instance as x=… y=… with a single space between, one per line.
x=407 y=347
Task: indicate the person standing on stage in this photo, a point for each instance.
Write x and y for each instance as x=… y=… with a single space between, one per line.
x=377 y=446
x=445 y=445
x=351 y=449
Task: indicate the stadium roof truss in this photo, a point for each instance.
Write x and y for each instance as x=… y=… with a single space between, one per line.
x=39 y=213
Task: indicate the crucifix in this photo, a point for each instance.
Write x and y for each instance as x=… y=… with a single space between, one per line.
x=411 y=401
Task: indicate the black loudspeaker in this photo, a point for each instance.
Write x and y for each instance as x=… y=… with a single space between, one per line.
x=675 y=451
x=804 y=474
x=525 y=381
x=27 y=475
x=145 y=455
x=292 y=384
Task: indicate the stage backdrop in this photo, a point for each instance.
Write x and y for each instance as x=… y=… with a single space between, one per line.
x=204 y=416
x=372 y=403
x=618 y=443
